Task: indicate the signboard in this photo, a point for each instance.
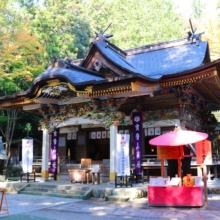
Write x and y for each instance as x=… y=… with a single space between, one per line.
x=69 y=136
x=54 y=151
x=159 y=181
x=74 y=136
x=169 y=152
x=137 y=137
x=104 y=134
x=122 y=155
x=27 y=155
x=204 y=152
x=174 y=181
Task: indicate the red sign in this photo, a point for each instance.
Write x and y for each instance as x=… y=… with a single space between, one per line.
x=204 y=152
x=169 y=152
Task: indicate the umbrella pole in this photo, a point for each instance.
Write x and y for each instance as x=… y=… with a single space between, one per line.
x=205 y=183
x=162 y=168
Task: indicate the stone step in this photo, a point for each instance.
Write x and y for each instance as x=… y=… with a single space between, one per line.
x=37 y=193
x=57 y=191
x=31 y=188
x=117 y=198
x=61 y=187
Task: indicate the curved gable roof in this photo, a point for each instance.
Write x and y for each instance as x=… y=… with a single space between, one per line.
x=154 y=61
x=115 y=56
x=74 y=75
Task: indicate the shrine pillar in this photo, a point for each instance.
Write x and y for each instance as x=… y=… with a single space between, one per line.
x=182 y=119
x=45 y=155
x=113 y=147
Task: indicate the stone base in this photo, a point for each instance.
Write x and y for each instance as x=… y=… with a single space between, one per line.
x=117 y=198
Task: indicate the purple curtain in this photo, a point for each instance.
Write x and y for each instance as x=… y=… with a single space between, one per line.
x=137 y=138
x=54 y=150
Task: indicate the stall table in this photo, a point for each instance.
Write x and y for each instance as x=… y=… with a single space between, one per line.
x=175 y=196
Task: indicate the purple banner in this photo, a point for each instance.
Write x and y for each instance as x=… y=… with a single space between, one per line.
x=137 y=137
x=54 y=151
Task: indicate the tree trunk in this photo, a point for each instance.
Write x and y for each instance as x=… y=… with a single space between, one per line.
x=8 y=131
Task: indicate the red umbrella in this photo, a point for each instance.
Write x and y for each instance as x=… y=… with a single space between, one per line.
x=177 y=138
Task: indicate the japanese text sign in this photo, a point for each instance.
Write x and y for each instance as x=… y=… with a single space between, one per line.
x=27 y=155
x=54 y=151
x=204 y=152
x=137 y=137
x=122 y=155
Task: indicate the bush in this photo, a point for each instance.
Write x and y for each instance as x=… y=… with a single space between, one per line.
x=13 y=171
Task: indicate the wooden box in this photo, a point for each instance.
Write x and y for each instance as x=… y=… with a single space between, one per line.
x=79 y=175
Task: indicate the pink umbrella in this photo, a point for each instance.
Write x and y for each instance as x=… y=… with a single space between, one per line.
x=177 y=138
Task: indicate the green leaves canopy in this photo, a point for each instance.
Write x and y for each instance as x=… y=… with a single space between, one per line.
x=62 y=29
x=136 y=22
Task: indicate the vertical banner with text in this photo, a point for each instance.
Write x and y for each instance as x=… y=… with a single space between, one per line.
x=204 y=152
x=27 y=155
x=122 y=155
x=54 y=150
x=137 y=138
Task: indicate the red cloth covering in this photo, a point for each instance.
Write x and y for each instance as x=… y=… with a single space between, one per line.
x=175 y=196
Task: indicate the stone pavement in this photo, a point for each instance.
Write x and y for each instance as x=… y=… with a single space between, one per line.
x=44 y=208
x=41 y=207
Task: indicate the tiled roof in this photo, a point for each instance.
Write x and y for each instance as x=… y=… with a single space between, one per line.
x=74 y=75
x=152 y=61
x=158 y=63
x=155 y=63
x=115 y=56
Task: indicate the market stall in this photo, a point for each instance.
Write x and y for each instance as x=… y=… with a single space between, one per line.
x=178 y=190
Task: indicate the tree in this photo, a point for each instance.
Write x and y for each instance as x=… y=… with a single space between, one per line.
x=198 y=9
x=7 y=125
x=21 y=54
x=20 y=62
x=62 y=29
x=136 y=22
x=207 y=19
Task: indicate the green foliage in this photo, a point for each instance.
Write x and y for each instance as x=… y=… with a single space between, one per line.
x=21 y=53
x=13 y=171
x=22 y=120
x=28 y=128
x=62 y=29
x=198 y=8
x=207 y=19
x=136 y=22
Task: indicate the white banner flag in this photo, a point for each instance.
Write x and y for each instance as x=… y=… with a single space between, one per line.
x=122 y=155
x=27 y=155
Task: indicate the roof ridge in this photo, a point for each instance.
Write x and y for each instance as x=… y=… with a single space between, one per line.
x=158 y=46
x=116 y=49
x=80 y=68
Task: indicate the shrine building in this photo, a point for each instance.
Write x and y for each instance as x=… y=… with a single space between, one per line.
x=91 y=100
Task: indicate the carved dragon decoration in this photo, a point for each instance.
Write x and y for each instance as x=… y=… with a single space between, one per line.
x=54 y=114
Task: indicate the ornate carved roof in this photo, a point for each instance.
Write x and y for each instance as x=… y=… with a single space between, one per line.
x=109 y=75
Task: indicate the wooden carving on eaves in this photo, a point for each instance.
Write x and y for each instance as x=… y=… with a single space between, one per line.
x=55 y=113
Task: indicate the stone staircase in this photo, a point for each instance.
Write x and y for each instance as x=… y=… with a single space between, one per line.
x=73 y=192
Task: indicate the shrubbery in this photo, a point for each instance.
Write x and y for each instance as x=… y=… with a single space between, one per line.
x=13 y=171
